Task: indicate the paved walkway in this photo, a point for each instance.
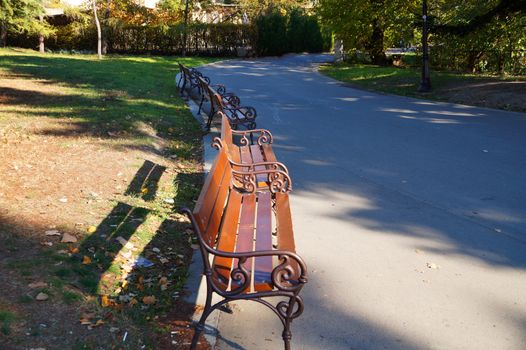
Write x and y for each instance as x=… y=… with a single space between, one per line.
x=410 y=214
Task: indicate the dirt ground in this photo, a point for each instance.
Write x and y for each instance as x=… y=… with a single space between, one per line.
x=509 y=95
x=58 y=177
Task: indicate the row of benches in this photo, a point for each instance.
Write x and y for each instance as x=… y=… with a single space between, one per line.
x=243 y=223
x=194 y=84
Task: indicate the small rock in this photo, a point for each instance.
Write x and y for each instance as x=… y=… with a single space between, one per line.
x=114 y=329
x=42 y=296
x=63 y=200
x=156 y=250
x=169 y=200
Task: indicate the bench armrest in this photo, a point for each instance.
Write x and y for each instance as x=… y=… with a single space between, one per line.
x=278 y=180
x=288 y=276
x=277 y=166
x=265 y=136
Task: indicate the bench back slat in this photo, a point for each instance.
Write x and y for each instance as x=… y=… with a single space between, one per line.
x=211 y=192
x=263 y=265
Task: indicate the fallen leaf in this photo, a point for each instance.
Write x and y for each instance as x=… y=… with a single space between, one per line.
x=105 y=301
x=132 y=302
x=86 y=260
x=68 y=238
x=144 y=190
x=73 y=250
x=52 y=233
x=163 y=280
x=42 y=296
x=149 y=300
x=164 y=260
x=91 y=229
x=35 y=285
x=98 y=323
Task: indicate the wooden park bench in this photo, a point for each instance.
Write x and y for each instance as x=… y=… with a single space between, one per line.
x=188 y=80
x=247 y=245
x=250 y=150
x=228 y=105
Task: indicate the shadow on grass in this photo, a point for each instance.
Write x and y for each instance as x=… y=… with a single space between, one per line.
x=133 y=97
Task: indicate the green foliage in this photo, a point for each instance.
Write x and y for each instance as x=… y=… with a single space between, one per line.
x=6 y=318
x=22 y=16
x=220 y=39
x=493 y=45
x=272 y=34
x=280 y=33
x=370 y=25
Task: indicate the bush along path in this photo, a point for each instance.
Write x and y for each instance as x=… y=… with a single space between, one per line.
x=95 y=157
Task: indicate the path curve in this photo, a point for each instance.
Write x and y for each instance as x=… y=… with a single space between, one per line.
x=411 y=214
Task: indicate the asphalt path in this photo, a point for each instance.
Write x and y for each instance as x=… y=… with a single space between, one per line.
x=411 y=214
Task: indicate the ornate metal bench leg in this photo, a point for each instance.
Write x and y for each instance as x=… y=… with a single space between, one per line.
x=287 y=334
x=201 y=103
x=200 y=326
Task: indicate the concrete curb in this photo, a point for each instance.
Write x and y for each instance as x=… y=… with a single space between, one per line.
x=196 y=283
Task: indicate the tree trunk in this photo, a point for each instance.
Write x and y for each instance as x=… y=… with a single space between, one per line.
x=105 y=44
x=41 y=46
x=99 y=33
x=3 y=34
x=377 y=45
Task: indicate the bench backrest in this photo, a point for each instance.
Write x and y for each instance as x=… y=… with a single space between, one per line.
x=210 y=205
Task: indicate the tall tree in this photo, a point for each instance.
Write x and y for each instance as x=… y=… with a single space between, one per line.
x=99 y=32
x=22 y=16
x=369 y=25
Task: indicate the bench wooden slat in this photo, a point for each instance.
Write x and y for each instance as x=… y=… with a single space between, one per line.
x=268 y=153
x=284 y=227
x=257 y=157
x=263 y=265
x=227 y=239
x=284 y=223
x=215 y=218
x=206 y=200
x=245 y=232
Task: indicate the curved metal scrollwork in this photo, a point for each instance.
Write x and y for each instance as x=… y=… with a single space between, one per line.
x=217 y=143
x=278 y=180
x=240 y=277
x=283 y=306
x=286 y=278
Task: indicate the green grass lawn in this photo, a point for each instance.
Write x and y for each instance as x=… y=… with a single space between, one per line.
x=104 y=150
x=405 y=82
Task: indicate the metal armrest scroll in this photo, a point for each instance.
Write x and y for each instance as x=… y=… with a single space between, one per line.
x=265 y=136
x=278 y=180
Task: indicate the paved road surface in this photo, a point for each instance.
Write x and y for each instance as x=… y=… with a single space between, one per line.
x=410 y=214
